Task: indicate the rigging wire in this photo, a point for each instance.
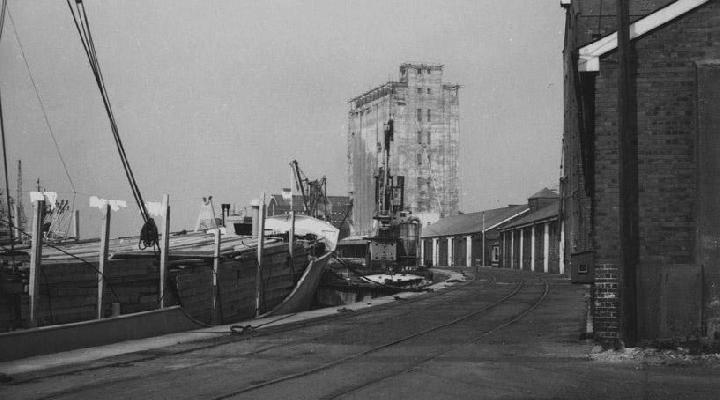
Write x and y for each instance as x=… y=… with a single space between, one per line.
x=45 y=116
x=4 y=147
x=42 y=108
x=149 y=232
x=2 y=17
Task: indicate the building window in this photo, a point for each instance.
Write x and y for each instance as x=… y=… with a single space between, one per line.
x=495 y=255
x=419 y=71
x=428 y=116
x=428 y=138
x=419 y=115
x=429 y=91
x=419 y=90
x=419 y=137
x=419 y=158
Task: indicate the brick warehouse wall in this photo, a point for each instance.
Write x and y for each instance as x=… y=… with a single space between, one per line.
x=667 y=135
x=424 y=152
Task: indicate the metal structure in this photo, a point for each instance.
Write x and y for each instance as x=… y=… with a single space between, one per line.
x=314 y=193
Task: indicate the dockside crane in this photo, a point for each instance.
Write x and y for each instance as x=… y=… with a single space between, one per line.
x=314 y=192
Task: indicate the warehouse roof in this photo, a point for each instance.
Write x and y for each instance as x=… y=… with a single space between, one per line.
x=548 y=212
x=464 y=224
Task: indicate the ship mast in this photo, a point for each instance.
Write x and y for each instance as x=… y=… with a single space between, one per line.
x=4 y=146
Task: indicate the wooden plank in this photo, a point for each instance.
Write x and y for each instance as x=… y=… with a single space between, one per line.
x=216 y=266
x=164 y=248
x=35 y=259
x=103 y=259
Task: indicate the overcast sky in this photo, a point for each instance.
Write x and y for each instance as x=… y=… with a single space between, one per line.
x=216 y=97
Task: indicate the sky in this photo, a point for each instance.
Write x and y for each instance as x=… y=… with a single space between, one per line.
x=217 y=97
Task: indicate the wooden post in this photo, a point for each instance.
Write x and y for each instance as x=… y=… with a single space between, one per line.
x=291 y=234
x=450 y=252
x=522 y=249
x=435 y=252
x=76 y=225
x=512 y=249
x=482 y=245
x=216 y=268
x=546 y=248
x=261 y=243
x=16 y=223
x=103 y=258
x=35 y=256
x=164 y=247
x=255 y=205
x=561 y=249
x=468 y=253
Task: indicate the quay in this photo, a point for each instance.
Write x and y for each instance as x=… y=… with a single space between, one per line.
x=499 y=334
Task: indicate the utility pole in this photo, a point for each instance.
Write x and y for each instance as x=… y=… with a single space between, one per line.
x=627 y=177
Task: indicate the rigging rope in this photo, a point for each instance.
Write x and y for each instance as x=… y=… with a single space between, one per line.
x=148 y=234
x=4 y=148
x=42 y=104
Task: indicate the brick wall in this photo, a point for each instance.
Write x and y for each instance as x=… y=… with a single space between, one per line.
x=667 y=134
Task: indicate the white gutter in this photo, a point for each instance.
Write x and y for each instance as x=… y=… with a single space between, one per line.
x=589 y=55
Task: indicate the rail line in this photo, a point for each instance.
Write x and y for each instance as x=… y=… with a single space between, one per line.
x=151 y=355
x=457 y=291
x=432 y=357
x=516 y=289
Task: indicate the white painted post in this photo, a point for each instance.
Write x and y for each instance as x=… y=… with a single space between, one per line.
x=532 y=248
x=468 y=252
x=76 y=225
x=16 y=224
x=102 y=259
x=512 y=249
x=450 y=252
x=35 y=257
x=291 y=234
x=216 y=268
x=482 y=243
x=522 y=250
x=561 y=250
x=546 y=248
x=255 y=205
x=504 y=246
x=260 y=245
x=435 y=252
x=164 y=248
x=422 y=253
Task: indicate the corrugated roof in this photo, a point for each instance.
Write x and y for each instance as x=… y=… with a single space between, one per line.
x=550 y=211
x=464 y=224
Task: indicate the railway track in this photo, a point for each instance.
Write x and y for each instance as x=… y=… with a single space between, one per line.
x=486 y=296
x=513 y=319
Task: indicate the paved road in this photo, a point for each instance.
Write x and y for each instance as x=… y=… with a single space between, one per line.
x=506 y=335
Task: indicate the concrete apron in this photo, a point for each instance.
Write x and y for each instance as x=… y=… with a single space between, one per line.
x=42 y=362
